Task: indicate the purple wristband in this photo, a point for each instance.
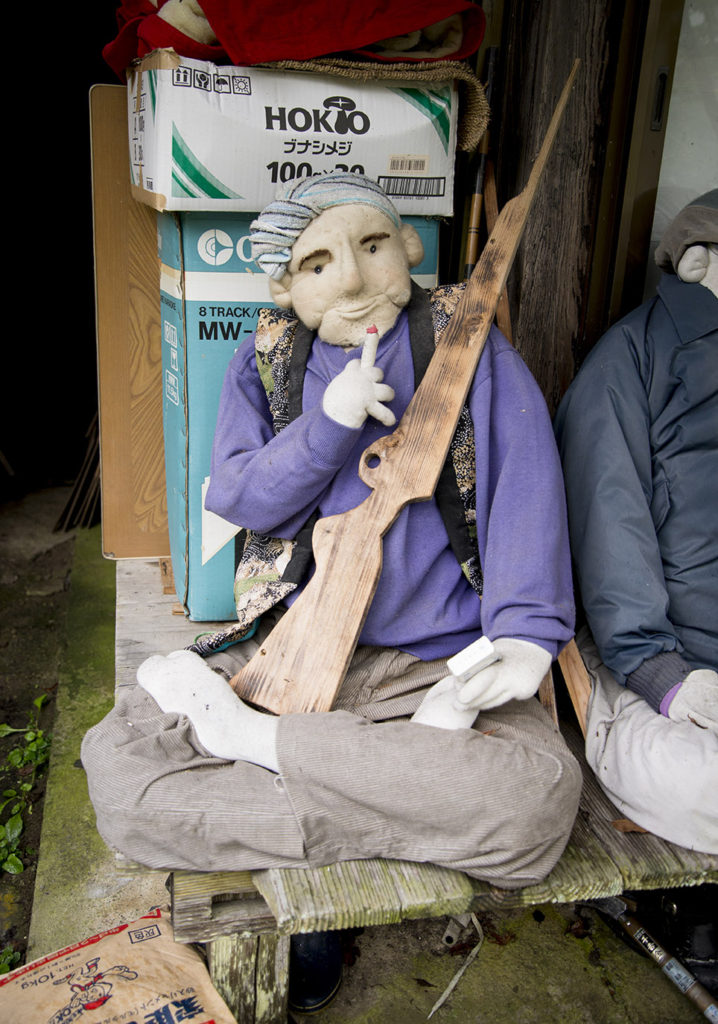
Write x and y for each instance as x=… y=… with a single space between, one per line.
x=668 y=697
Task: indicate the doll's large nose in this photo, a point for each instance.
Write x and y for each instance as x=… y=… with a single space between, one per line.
x=351 y=276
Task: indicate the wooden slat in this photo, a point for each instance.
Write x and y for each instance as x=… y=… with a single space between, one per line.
x=356 y=894
x=577 y=681
x=547 y=696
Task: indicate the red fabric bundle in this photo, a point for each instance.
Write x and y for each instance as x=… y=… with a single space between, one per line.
x=140 y=31
x=251 y=33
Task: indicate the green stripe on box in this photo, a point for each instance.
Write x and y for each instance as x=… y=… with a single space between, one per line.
x=190 y=178
x=434 y=104
x=152 y=90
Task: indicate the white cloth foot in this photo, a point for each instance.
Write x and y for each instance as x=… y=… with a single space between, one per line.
x=182 y=682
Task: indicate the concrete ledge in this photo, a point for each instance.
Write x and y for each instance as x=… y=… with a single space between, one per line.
x=79 y=890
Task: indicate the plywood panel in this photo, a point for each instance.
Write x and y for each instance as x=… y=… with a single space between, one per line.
x=134 y=505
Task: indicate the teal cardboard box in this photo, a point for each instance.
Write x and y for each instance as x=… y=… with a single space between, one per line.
x=210 y=295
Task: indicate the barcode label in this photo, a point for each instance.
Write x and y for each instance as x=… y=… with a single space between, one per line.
x=405 y=186
x=409 y=164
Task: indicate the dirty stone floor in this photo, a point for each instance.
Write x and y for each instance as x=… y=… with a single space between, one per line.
x=542 y=965
x=35 y=568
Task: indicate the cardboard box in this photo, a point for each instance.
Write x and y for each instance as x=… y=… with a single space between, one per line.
x=225 y=138
x=210 y=294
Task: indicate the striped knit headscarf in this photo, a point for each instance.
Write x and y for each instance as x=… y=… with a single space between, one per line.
x=281 y=222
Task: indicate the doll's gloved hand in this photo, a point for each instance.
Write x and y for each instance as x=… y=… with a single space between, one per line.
x=517 y=676
x=452 y=704
x=697 y=700
x=358 y=392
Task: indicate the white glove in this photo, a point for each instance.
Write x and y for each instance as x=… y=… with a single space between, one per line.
x=357 y=392
x=451 y=704
x=697 y=700
x=517 y=676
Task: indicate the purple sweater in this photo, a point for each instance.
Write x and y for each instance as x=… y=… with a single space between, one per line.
x=423 y=604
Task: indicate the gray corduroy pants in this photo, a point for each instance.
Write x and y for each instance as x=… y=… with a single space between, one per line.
x=497 y=801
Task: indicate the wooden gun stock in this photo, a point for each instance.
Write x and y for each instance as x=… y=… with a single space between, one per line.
x=304 y=660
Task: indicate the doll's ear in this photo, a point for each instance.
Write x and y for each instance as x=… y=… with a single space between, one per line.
x=693 y=264
x=412 y=244
x=280 y=291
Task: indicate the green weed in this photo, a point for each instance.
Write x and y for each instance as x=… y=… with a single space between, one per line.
x=23 y=764
x=9 y=958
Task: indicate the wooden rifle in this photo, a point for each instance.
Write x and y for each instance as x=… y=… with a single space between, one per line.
x=303 y=661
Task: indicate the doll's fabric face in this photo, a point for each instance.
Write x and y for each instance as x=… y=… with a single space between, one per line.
x=349 y=269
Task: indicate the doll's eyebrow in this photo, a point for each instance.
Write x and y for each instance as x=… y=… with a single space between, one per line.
x=318 y=253
x=376 y=236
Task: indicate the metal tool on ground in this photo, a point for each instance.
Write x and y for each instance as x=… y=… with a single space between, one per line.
x=618 y=909
x=462 y=970
x=290 y=673
x=454 y=928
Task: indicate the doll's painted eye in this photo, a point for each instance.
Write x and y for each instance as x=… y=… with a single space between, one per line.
x=372 y=248
x=318 y=269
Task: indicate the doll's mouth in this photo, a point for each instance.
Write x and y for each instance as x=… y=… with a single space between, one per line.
x=358 y=312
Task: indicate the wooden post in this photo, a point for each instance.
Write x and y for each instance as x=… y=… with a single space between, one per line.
x=252 y=976
x=549 y=284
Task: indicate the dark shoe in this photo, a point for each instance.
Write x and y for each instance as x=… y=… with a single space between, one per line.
x=315 y=970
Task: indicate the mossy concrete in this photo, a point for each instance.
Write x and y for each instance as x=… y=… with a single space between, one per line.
x=78 y=888
x=543 y=965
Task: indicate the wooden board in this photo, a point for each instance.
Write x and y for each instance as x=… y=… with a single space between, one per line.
x=359 y=893
x=577 y=681
x=148 y=620
x=215 y=903
x=134 y=503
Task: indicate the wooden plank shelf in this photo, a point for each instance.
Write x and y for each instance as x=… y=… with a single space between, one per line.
x=245 y=917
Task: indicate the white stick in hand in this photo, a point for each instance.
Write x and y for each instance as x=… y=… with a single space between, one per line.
x=472 y=659
x=368 y=352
